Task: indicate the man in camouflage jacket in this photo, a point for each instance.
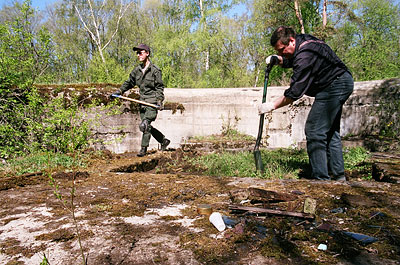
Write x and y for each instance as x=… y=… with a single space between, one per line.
x=148 y=78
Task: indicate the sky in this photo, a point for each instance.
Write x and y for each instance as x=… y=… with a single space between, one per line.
x=41 y=5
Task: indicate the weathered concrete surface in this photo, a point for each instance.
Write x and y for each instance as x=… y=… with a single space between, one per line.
x=208 y=111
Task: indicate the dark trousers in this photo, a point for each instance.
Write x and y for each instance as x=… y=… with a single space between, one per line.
x=150 y=114
x=322 y=129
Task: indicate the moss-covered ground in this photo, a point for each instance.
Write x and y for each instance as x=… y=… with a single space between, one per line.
x=132 y=210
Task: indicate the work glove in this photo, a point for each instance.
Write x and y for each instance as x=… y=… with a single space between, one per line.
x=265 y=107
x=116 y=93
x=272 y=60
x=160 y=104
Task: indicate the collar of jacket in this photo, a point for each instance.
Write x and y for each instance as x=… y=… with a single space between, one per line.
x=145 y=68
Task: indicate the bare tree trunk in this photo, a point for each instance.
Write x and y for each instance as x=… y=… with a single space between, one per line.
x=298 y=14
x=201 y=9
x=324 y=16
x=204 y=28
x=92 y=26
x=256 y=81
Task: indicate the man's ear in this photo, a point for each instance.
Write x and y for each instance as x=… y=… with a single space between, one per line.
x=292 y=41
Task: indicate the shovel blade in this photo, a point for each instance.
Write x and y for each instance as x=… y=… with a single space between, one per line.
x=258 y=160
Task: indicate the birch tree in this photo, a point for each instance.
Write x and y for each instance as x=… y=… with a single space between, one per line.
x=324 y=15
x=298 y=15
x=97 y=21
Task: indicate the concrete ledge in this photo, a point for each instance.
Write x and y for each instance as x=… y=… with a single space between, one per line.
x=208 y=111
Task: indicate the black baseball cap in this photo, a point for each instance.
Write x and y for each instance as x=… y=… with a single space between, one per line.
x=141 y=47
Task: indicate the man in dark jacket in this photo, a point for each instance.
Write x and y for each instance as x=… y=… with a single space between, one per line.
x=148 y=78
x=319 y=73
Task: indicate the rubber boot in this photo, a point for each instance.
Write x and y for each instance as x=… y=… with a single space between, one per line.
x=164 y=144
x=142 y=152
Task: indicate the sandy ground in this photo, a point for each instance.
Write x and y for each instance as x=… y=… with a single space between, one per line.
x=144 y=217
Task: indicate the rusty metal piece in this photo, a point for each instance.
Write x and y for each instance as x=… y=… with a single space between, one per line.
x=204 y=209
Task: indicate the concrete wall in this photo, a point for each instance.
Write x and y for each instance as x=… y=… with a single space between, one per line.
x=208 y=110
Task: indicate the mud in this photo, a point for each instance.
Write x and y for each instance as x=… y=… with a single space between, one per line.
x=133 y=210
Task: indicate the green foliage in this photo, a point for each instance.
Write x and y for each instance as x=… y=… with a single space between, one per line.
x=195 y=46
x=29 y=122
x=45 y=261
x=388 y=109
x=375 y=49
x=282 y=163
x=20 y=111
x=36 y=124
x=24 y=52
x=231 y=135
x=354 y=157
x=109 y=72
x=41 y=162
x=64 y=129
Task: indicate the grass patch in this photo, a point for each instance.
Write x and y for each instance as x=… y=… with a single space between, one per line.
x=278 y=164
x=40 y=162
x=355 y=156
x=228 y=135
x=357 y=161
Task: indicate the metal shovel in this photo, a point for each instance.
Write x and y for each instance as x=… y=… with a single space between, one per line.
x=256 y=151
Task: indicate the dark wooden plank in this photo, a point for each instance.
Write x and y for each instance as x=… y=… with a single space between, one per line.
x=271 y=211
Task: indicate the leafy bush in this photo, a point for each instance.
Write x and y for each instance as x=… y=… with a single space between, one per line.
x=28 y=121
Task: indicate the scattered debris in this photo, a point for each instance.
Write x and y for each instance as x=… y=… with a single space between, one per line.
x=322 y=247
x=123 y=223
x=260 y=195
x=216 y=219
x=270 y=211
x=310 y=206
x=386 y=167
x=325 y=227
x=377 y=215
x=363 y=239
x=204 y=209
x=229 y=222
x=338 y=210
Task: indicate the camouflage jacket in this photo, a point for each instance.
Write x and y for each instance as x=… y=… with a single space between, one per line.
x=151 y=86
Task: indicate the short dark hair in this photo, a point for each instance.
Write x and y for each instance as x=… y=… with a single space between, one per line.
x=283 y=34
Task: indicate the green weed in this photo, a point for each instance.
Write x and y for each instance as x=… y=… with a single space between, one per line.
x=281 y=163
x=354 y=157
x=278 y=164
x=45 y=261
x=41 y=162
